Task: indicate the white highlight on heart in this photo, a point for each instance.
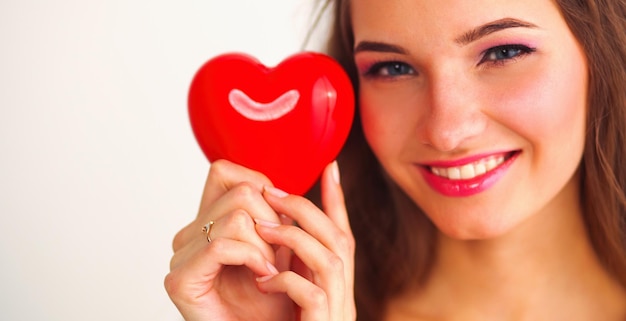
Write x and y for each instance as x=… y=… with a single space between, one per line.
x=255 y=110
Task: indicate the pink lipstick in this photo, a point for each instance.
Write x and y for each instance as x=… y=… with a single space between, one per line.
x=468 y=176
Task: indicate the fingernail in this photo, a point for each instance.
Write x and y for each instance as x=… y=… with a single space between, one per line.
x=266 y=278
x=271 y=268
x=275 y=191
x=285 y=220
x=335 y=172
x=266 y=223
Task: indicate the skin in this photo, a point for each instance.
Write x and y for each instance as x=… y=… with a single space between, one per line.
x=428 y=94
x=454 y=106
x=516 y=251
x=259 y=266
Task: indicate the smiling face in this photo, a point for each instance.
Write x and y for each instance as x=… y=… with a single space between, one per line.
x=476 y=109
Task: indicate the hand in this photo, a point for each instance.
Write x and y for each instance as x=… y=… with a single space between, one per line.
x=321 y=281
x=217 y=280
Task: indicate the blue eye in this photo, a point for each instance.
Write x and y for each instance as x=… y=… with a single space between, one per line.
x=505 y=53
x=390 y=69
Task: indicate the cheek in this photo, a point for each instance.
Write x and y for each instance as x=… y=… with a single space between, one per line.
x=374 y=129
x=371 y=122
x=384 y=118
x=547 y=106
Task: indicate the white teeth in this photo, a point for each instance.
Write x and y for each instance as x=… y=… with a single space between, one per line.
x=491 y=164
x=469 y=171
x=454 y=173
x=480 y=169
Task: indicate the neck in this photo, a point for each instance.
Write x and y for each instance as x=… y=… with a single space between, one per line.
x=547 y=245
x=536 y=271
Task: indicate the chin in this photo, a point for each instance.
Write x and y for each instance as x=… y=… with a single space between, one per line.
x=474 y=229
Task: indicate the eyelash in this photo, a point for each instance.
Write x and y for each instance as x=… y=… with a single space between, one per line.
x=375 y=70
x=521 y=50
x=488 y=56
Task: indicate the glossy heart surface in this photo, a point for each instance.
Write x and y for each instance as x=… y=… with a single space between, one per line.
x=287 y=122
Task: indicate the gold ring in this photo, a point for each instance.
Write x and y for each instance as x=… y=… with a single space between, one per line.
x=207 y=229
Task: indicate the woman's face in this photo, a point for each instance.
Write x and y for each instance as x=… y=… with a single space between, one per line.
x=475 y=108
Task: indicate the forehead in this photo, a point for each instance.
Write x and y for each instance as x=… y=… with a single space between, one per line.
x=400 y=19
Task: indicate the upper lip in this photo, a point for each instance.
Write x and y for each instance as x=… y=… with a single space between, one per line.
x=468 y=159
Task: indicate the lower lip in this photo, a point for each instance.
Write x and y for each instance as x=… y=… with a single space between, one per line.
x=467 y=187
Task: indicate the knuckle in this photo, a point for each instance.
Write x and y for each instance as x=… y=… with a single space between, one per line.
x=223 y=168
x=334 y=263
x=179 y=239
x=239 y=218
x=245 y=191
x=219 y=167
x=172 y=285
x=174 y=262
x=240 y=222
x=344 y=243
x=176 y=289
x=218 y=170
x=317 y=298
x=216 y=247
x=351 y=244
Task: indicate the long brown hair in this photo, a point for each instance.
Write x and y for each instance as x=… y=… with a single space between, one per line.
x=396 y=242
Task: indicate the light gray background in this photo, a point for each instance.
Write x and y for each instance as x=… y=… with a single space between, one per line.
x=98 y=165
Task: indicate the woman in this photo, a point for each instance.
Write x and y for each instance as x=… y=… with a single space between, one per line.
x=484 y=178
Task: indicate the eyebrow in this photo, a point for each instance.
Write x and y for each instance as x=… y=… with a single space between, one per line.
x=490 y=28
x=464 y=39
x=378 y=47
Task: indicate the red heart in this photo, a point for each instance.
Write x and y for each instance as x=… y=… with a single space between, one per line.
x=287 y=122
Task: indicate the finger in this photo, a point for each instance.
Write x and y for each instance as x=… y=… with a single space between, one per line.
x=314 y=254
x=332 y=198
x=332 y=230
x=311 y=219
x=244 y=203
x=243 y=197
x=230 y=252
x=237 y=226
x=334 y=206
x=194 y=278
x=310 y=298
x=300 y=268
x=327 y=267
x=224 y=175
x=284 y=255
x=185 y=253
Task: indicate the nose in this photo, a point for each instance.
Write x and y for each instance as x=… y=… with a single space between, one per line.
x=454 y=112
